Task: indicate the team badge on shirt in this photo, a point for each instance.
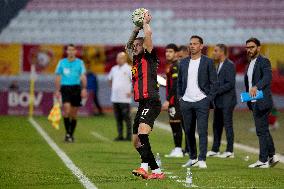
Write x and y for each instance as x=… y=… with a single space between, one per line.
x=134 y=70
x=66 y=71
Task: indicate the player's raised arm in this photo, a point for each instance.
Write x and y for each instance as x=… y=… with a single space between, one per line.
x=129 y=45
x=148 y=44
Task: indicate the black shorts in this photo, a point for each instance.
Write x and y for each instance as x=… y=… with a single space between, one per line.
x=71 y=94
x=148 y=111
x=174 y=113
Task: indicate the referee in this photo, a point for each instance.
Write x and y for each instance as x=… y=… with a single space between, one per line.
x=70 y=83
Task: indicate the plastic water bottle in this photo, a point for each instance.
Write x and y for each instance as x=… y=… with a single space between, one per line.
x=188 y=180
x=158 y=160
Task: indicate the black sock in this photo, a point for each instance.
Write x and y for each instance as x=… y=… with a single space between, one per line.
x=67 y=125
x=146 y=152
x=140 y=151
x=177 y=133
x=73 y=126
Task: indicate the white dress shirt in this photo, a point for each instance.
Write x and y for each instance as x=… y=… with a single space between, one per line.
x=193 y=92
x=250 y=73
x=121 y=83
x=220 y=66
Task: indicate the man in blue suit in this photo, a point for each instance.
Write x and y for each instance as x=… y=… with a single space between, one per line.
x=197 y=87
x=258 y=77
x=225 y=102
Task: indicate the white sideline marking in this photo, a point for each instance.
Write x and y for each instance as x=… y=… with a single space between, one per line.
x=242 y=147
x=100 y=137
x=84 y=180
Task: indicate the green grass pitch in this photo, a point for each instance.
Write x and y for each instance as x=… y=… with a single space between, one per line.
x=26 y=160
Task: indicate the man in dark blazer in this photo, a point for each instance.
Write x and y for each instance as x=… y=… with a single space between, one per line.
x=197 y=81
x=258 y=77
x=225 y=102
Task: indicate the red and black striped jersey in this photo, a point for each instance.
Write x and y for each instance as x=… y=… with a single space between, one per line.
x=171 y=88
x=144 y=76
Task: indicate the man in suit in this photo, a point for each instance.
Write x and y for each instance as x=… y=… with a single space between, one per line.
x=225 y=102
x=184 y=53
x=197 y=81
x=258 y=77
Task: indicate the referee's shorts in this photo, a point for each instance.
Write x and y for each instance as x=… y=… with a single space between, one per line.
x=71 y=94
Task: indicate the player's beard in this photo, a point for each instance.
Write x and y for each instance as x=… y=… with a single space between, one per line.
x=71 y=57
x=252 y=55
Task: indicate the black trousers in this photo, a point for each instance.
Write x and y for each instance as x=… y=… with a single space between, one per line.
x=266 y=144
x=223 y=118
x=201 y=110
x=122 y=113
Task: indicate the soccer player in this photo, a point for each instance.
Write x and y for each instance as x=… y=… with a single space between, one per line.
x=146 y=92
x=70 y=83
x=171 y=104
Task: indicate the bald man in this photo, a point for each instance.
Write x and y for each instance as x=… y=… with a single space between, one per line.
x=120 y=81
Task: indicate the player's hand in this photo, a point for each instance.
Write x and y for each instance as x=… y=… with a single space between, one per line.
x=84 y=93
x=57 y=95
x=253 y=91
x=147 y=17
x=165 y=105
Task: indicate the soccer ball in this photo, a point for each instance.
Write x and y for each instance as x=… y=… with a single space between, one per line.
x=138 y=16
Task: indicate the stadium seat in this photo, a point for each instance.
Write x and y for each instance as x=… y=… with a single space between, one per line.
x=222 y=20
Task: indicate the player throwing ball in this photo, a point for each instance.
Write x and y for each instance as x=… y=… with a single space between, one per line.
x=146 y=92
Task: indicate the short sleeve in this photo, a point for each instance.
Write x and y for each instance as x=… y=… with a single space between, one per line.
x=58 y=70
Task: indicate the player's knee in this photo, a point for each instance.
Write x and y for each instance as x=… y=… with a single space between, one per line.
x=66 y=113
x=73 y=113
x=144 y=129
x=73 y=116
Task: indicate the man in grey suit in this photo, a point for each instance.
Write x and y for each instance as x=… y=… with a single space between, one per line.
x=197 y=81
x=225 y=102
x=258 y=77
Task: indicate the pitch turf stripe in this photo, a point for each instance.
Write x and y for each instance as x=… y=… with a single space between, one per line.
x=100 y=137
x=242 y=147
x=84 y=180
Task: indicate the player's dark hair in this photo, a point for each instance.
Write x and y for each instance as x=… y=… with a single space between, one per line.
x=172 y=46
x=197 y=37
x=254 y=40
x=183 y=48
x=223 y=48
x=71 y=45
